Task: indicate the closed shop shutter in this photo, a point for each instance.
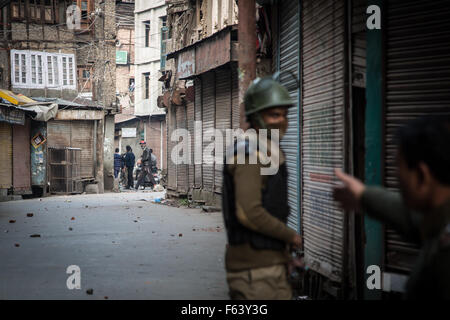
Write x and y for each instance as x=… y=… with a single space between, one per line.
x=74 y=134
x=323 y=31
x=289 y=61
x=198 y=136
x=359 y=43
x=83 y=138
x=182 y=169
x=21 y=157
x=417 y=83
x=190 y=127
x=5 y=155
x=223 y=117
x=235 y=97
x=208 y=103
x=58 y=134
x=172 y=168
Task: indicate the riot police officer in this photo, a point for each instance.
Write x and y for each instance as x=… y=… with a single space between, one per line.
x=255 y=206
x=146 y=163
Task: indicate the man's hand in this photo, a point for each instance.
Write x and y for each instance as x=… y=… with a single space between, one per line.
x=297 y=241
x=349 y=195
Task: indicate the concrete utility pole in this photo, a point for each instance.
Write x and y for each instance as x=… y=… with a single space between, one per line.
x=247 y=51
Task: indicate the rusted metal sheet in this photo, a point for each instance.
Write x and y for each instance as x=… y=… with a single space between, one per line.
x=208 y=104
x=182 y=169
x=213 y=53
x=186 y=64
x=171 y=167
x=83 y=137
x=190 y=127
x=198 y=133
x=223 y=117
x=417 y=84
x=21 y=158
x=76 y=134
x=5 y=155
x=322 y=138
x=80 y=115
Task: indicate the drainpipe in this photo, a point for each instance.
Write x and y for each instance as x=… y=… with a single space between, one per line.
x=246 y=52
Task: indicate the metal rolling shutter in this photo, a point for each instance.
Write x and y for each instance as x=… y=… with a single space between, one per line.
x=171 y=166
x=58 y=134
x=359 y=43
x=223 y=117
x=83 y=138
x=5 y=155
x=182 y=169
x=417 y=83
x=21 y=157
x=190 y=127
x=289 y=60
x=75 y=134
x=208 y=103
x=235 y=97
x=323 y=30
x=198 y=137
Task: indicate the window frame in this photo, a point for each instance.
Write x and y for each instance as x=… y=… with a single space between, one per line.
x=57 y=72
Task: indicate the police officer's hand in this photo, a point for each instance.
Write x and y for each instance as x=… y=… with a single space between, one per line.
x=349 y=194
x=297 y=241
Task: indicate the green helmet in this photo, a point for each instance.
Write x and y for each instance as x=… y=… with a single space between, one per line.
x=265 y=93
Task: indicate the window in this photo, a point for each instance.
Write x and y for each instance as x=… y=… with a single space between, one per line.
x=84 y=79
x=20 y=68
x=34 y=69
x=37 y=68
x=147 y=33
x=36 y=11
x=146 y=85
x=86 y=7
x=164 y=37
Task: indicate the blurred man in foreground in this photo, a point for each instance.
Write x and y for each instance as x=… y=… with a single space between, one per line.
x=422 y=211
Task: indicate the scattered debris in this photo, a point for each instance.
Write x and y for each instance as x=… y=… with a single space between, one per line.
x=210 y=209
x=106 y=297
x=180 y=235
x=172 y=235
x=12 y=221
x=73 y=218
x=90 y=291
x=16 y=245
x=40 y=199
x=153 y=232
x=86 y=206
x=139 y=206
x=135 y=220
x=6 y=231
x=158 y=188
x=35 y=235
x=157 y=200
x=29 y=215
x=70 y=229
x=193 y=229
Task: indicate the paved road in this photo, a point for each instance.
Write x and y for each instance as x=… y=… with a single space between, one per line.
x=126 y=248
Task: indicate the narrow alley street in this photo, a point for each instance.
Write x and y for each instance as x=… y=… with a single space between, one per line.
x=126 y=247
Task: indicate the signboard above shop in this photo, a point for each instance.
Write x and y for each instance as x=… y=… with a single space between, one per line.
x=128 y=132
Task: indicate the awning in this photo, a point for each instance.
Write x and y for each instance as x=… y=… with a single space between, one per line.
x=44 y=111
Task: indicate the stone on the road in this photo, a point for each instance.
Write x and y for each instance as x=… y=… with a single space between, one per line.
x=121 y=259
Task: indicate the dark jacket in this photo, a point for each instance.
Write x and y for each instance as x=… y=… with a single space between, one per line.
x=430 y=277
x=117 y=161
x=129 y=159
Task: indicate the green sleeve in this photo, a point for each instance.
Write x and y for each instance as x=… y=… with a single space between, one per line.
x=388 y=207
x=248 y=186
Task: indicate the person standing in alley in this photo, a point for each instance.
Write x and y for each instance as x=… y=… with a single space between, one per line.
x=117 y=163
x=129 y=164
x=255 y=206
x=421 y=211
x=146 y=166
